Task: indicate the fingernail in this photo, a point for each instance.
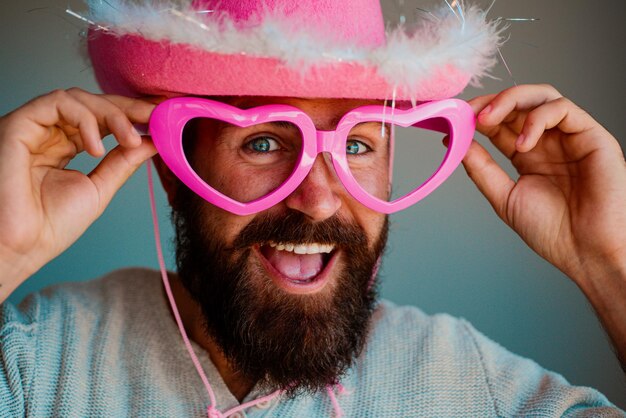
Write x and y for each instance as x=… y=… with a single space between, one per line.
x=486 y=111
x=137 y=134
x=520 y=140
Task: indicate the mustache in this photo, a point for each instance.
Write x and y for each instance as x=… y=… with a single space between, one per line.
x=294 y=226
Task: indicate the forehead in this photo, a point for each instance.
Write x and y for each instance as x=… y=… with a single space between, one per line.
x=325 y=113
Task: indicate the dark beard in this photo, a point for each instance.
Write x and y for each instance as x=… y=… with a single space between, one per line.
x=297 y=343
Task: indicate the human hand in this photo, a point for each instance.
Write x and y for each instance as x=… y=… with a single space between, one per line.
x=45 y=207
x=569 y=202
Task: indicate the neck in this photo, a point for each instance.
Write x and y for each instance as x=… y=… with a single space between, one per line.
x=191 y=315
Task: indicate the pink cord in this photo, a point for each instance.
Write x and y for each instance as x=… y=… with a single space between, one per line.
x=168 y=290
x=333 y=400
x=341 y=389
x=249 y=404
x=211 y=412
x=375 y=272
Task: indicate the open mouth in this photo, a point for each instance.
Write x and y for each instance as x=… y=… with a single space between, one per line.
x=299 y=267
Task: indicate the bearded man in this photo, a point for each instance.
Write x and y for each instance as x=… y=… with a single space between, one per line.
x=277 y=165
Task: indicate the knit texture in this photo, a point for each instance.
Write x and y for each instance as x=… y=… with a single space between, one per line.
x=110 y=348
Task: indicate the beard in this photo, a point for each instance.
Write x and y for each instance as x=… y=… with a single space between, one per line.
x=295 y=343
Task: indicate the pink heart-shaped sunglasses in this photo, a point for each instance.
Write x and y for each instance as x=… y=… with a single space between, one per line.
x=451 y=116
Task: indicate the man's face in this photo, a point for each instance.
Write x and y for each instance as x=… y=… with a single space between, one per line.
x=286 y=293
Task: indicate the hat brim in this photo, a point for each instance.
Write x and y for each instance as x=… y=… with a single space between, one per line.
x=131 y=65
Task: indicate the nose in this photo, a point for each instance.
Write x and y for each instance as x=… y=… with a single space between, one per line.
x=318 y=196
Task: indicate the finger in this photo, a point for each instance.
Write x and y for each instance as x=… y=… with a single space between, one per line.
x=111 y=118
x=118 y=165
x=59 y=108
x=503 y=139
x=137 y=110
x=492 y=181
x=516 y=98
x=560 y=113
x=479 y=103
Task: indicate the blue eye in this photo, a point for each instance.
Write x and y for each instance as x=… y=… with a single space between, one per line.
x=263 y=144
x=354 y=147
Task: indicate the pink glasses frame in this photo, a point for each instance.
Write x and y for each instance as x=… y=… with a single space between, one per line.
x=451 y=116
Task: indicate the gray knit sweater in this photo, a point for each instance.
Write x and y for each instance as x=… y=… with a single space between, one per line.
x=110 y=348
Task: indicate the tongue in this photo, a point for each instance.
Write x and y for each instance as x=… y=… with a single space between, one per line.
x=295 y=266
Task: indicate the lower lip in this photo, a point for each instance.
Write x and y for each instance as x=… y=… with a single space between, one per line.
x=317 y=283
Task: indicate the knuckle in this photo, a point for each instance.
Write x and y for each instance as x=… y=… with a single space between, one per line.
x=550 y=89
x=509 y=91
x=76 y=91
x=565 y=102
x=59 y=95
x=115 y=114
x=122 y=104
x=566 y=106
x=132 y=104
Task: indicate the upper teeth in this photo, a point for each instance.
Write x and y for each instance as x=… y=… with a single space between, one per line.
x=314 y=248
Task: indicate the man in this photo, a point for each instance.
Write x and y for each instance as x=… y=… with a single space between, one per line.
x=309 y=326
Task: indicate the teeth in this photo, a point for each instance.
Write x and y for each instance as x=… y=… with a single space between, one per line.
x=313 y=248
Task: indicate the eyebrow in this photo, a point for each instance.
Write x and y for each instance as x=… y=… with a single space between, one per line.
x=387 y=129
x=277 y=124
x=283 y=124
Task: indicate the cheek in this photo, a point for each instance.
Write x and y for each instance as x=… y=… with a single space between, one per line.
x=240 y=180
x=244 y=183
x=372 y=224
x=223 y=225
x=374 y=180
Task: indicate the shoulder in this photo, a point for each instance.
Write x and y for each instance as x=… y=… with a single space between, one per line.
x=46 y=339
x=437 y=361
x=54 y=309
x=117 y=288
x=123 y=284
x=440 y=342
x=408 y=325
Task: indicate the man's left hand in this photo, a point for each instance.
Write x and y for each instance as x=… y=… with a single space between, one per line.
x=569 y=201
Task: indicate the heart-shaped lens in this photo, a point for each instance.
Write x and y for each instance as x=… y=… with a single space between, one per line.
x=408 y=156
x=243 y=163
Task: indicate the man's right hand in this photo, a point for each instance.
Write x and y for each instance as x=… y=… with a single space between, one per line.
x=45 y=207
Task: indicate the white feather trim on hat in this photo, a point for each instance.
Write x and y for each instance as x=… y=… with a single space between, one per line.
x=463 y=39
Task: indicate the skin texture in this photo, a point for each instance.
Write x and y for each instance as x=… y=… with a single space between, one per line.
x=568 y=203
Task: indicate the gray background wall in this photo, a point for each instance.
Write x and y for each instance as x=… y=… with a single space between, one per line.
x=449 y=253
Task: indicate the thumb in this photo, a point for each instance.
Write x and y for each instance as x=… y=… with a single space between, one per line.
x=492 y=181
x=116 y=167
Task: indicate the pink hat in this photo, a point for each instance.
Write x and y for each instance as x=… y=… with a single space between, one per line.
x=313 y=48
